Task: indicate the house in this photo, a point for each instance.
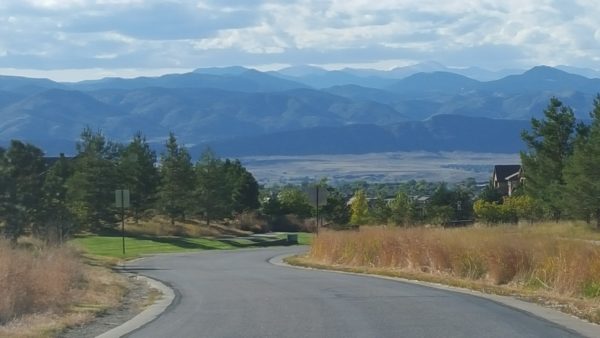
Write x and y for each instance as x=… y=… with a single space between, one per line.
x=506 y=178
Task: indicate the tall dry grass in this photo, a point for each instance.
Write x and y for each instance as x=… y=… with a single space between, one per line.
x=36 y=280
x=529 y=259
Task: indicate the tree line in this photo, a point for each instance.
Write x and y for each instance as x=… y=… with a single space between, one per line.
x=441 y=206
x=54 y=200
x=561 y=169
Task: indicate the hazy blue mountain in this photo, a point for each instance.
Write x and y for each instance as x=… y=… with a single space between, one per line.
x=233 y=70
x=397 y=73
x=26 y=86
x=587 y=72
x=543 y=79
x=244 y=81
x=356 y=92
x=215 y=104
x=62 y=114
x=424 y=84
x=300 y=71
x=440 y=133
x=195 y=115
x=324 y=79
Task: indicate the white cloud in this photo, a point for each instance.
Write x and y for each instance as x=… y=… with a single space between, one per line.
x=60 y=34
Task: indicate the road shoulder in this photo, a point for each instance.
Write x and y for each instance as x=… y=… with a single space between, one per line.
x=573 y=323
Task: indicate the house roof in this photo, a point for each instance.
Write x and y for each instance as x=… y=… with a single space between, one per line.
x=502 y=172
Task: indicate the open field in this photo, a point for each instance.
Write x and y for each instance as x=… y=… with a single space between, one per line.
x=45 y=289
x=540 y=263
x=377 y=167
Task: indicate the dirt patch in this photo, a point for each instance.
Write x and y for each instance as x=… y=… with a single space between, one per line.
x=137 y=296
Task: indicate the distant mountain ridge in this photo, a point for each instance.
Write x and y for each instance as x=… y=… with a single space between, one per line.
x=440 y=133
x=235 y=105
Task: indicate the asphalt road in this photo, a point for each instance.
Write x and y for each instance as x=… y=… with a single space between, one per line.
x=240 y=294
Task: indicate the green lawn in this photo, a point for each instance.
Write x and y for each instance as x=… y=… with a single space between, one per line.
x=111 y=246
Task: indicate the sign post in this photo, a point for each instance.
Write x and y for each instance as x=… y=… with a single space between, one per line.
x=122 y=201
x=317 y=196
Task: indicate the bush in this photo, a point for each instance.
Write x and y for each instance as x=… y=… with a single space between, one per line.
x=252 y=221
x=36 y=280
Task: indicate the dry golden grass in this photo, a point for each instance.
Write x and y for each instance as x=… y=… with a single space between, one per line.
x=44 y=290
x=536 y=262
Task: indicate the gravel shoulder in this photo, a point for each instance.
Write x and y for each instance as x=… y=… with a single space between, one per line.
x=139 y=295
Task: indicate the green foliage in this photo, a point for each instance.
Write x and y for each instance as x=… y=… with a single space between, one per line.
x=90 y=190
x=550 y=144
x=401 y=209
x=212 y=194
x=582 y=174
x=380 y=211
x=21 y=169
x=176 y=180
x=336 y=210
x=139 y=174
x=359 y=208
x=58 y=221
x=490 y=194
x=223 y=187
x=294 y=201
x=511 y=210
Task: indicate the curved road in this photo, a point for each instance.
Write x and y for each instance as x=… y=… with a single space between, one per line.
x=239 y=294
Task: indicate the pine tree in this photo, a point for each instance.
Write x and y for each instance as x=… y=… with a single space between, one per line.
x=176 y=180
x=139 y=174
x=90 y=190
x=550 y=144
x=401 y=209
x=582 y=174
x=336 y=210
x=380 y=212
x=213 y=191
x=58 y=221
x=22 y=167
x=242 y=187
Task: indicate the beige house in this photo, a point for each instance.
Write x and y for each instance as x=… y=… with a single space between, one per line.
x=506 y=178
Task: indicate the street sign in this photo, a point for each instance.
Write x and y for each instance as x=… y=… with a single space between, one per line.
x=122 y=198
x=316 y=195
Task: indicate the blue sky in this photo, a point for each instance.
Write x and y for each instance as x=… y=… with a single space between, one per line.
x=76 y=39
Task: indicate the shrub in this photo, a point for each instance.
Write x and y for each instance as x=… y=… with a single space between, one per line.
x=36 y=280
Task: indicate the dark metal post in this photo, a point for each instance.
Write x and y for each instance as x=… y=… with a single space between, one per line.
x=123 y=219
x=317 y=208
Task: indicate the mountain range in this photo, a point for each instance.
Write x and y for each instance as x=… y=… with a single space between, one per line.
x=299 y=110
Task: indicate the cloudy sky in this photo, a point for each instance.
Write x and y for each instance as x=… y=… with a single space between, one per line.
x=73 y=39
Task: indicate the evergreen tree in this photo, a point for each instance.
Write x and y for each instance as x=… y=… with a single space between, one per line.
x=582 y=174
x=139 y=174
x=242 y=187
x=177 y=180
x=336 y=210
x=401 y=209
x=380 y=212
x=213 y=190
x=90 y=190
x=22 y=168
x=58 y=221
x=550 y=144
x=359 y=208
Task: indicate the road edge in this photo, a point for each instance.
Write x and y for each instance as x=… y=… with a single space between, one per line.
x=567 y=321
x=149 y=314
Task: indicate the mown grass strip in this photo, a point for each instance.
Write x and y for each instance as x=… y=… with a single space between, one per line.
x=111 y=246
